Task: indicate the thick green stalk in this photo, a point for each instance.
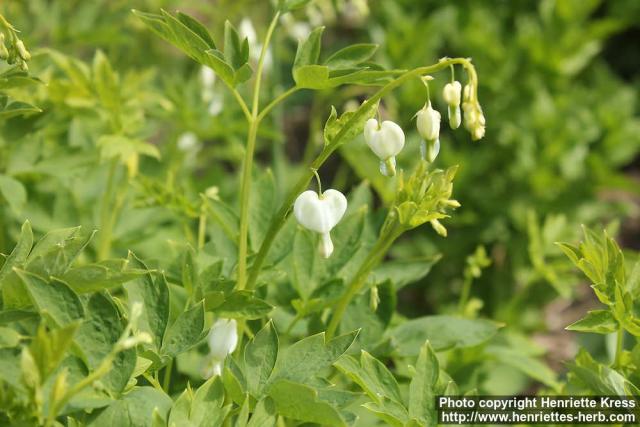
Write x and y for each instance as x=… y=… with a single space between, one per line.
x=245 y=186
x=376 y=255
x=280 y=218
x=619 y=347
x=107 y=214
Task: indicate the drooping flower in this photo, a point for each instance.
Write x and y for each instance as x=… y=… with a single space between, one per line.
x=428 y=123
x=451 y=94
x=386 y=140
x=223 y=339
x=320 y=213
x=474 y=119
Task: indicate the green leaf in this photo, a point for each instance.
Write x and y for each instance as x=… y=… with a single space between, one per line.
x=97 y=336
x=187 y=330
x=57 y=250
x=207 y=406
x=422 y=389
x=242 y=304
x=191 y=40
x=307 y=357
x=13 y=192
x=305 y=262
x=48 y=348
x=351 y=56
x=596 y=321
x=20 y=252
x=308 y=52
x=525 y=363
x=262 y=199
x=338 y=131
x=189 y=270
x=106 y=83
x=17 y=108
x=154 y=297
x=102 y=275
x=197 y=28
x=405 y=271
x=53 y=299
x=236 y=51
x=8 y=337
x=134 y=409
x=301 y=402
x=264 y=415
x=312 y=76
x=442 y=331
x=260 y=358
x=372 y=376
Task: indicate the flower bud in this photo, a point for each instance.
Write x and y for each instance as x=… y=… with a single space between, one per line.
x=22 y=51
x=386 y=140
x=438 y=227
x=428 y=121
x=320 y=213
x=223 y=339
x=474 y=119
x=455 y=117
x=451 y=93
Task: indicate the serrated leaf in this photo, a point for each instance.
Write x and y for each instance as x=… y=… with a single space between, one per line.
x=153 y=294
x=98 y=334
x=260 y=358
x=185 y=332
x=442 y=331
x=242 y=304
x=304 y=359
x=54 y=298
x=301 y=402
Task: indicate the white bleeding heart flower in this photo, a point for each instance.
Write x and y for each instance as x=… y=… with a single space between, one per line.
x=386 y=140
x=451 y=94
x=320 y=213
x=223 y=338
x=428 y=122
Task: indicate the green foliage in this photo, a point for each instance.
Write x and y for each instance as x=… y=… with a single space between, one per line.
x=190 y=159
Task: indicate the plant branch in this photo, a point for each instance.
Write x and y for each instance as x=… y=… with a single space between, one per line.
x=280 y=218
x=245 y=185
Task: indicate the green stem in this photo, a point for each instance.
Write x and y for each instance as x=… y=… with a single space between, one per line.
x=154 y=382
x=275 y=102
x=202 y=226
x=107 y=213
x=280 y=218
x=464 y=295
x=167 y=376
x=619 y=347
x=376 y=255
x=245 y=185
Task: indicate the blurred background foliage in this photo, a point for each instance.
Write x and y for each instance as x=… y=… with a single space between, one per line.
x=558 y=83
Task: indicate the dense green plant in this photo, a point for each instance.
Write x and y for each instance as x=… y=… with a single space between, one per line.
x=202 y=297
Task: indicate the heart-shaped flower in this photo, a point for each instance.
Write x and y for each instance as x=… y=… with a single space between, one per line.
x=451 y=95
x=386 y=140
x=428 y=121
x=320 y=213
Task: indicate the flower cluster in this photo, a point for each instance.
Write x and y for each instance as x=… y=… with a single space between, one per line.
x=16 y=52
x=429 y=192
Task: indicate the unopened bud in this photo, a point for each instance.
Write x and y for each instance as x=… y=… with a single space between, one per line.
x=451 y=93
x=438 y=227
x=60 y=385
x=374 y=299
x=428 y=122
x=223 y=338
x=453 y=203
x=22 y=50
